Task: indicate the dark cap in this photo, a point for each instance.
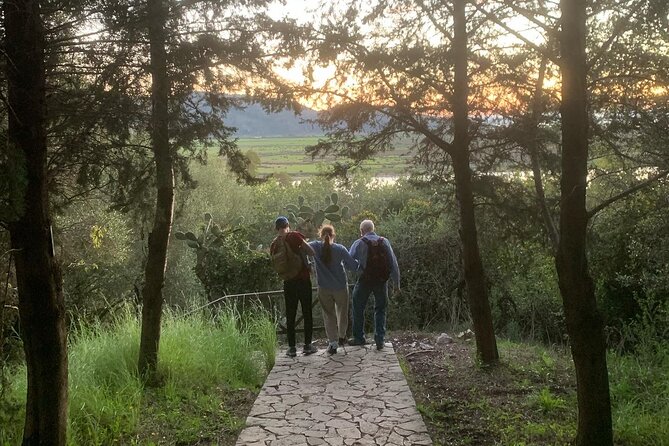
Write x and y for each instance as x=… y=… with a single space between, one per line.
x=281 y=222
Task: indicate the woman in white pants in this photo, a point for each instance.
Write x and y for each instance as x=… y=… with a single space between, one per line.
x=331 y=261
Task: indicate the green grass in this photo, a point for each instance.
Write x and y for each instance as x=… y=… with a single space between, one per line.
x=640 y=397
x=297 y=144
x=530 y=397
x=547 y=401
x=639 y=385
x=104 y=395
x=287 y=155
x=542 y=396
x=209 y=363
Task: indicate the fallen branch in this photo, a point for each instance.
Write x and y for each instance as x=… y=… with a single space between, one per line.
x=418 y=351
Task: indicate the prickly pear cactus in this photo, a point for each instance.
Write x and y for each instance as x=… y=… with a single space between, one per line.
x=308 y=219
x=225 y=263
x=212 y=235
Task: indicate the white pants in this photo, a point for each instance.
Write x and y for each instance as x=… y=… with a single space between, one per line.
x=335 y=312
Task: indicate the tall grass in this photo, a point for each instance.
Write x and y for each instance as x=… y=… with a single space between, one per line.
x=639 y=385
x=107 y=401
x=105 y=394
x=640 y=396
x=263 y=331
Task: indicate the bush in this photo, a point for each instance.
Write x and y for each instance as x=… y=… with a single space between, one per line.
x=524 y=293
x=100 y=256
x=235 y=268
x=225 y=263
x=432 y=293
x=629 y=251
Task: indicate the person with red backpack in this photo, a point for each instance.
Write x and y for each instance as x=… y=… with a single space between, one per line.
x=288 y=252
x=378 y=264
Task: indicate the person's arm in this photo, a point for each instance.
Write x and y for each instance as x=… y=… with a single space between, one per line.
x=355 y=249
x=306 y=248
x=350 y=263
x=394 y=267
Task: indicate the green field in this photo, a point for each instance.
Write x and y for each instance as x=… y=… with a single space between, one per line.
x=287 y=155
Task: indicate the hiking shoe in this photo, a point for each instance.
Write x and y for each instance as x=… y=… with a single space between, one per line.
x=342 y=341
x=332 y=349
x=309 y=349
x=354 y=341
x=292 y=352
x=380 y=345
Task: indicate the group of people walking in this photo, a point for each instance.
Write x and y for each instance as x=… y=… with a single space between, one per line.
x=370 y=256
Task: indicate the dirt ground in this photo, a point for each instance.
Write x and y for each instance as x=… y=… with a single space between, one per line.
x=527 y=399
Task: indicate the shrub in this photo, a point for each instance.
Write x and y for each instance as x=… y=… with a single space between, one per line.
x=629 y=251
x=225 y=262
x=235 y=268
x=432 y=291
x=524 y=292
x=100 y=256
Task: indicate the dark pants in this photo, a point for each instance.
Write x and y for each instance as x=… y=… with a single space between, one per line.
x=361 y=293
x=298 y=290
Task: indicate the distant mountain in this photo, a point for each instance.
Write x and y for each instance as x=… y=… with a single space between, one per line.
x=254 y=122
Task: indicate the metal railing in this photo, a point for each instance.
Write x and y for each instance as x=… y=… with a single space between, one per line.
x=268 y=295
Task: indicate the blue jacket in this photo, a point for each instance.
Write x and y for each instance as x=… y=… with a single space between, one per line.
x=359 y=252
x=333 y=276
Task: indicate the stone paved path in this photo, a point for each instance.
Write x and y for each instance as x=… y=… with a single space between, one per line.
x=357 y=397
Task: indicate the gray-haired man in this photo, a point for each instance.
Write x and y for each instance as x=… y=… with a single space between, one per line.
x=378 y=264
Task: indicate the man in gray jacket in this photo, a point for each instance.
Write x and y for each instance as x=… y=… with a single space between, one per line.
x=378 y=264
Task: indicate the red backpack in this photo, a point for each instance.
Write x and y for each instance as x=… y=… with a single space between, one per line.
x=377 y=269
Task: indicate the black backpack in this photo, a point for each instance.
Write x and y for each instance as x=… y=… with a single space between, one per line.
x=377 y=269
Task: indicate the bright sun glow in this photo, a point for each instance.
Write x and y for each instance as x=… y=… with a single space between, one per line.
x=323 y=77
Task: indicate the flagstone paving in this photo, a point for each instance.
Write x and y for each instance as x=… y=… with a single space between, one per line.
x=357 y=397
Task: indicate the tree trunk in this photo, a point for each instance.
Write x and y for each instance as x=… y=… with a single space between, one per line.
x=533 y=148
x=156 y=262
x=38 y=278
x=584 y=323
x=486 y=345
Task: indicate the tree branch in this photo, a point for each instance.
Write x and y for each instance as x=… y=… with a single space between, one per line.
x=434 y=21
x=592 y=212
x=542 y=51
